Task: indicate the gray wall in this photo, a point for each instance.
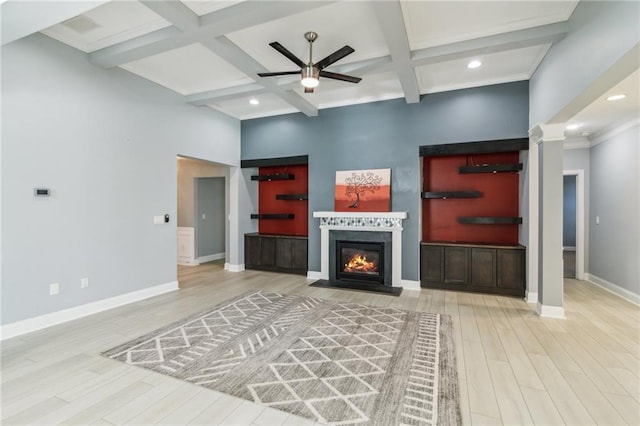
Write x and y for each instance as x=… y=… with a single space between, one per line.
x=601 y=32
x=614 y=253
x=210 y=216
x=386 y=135
x=188 y=170
x=569 y=211
x=105 y=142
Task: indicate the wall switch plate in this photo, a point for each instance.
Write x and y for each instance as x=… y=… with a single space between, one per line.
x=54 y=289
x=597 y=220
x=84 y=283
x=157 y=220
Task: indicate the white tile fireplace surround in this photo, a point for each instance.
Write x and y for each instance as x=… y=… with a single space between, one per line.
x=362 y=221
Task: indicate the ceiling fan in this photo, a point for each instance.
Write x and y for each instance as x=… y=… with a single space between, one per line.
x=311 y=72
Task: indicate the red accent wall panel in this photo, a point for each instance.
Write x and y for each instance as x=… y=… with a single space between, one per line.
x=267 y=202
x=499 y=198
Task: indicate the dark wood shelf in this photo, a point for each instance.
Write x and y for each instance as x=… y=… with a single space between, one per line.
x=269 y=178
x=298 y=197
x=482 y=147
x=278 y=161
x=273 y=216
x=491 y=168
x=489 y=220
x=443 y=195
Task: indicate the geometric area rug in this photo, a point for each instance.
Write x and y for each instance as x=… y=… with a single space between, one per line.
x=333 y=362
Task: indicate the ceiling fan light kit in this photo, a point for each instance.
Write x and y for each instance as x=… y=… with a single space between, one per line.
x=310 y=73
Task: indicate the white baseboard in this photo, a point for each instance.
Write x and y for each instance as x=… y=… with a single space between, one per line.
x=233 y=267
x=187 y=262
x=211 y=257
x=569 y=248
x=29 y=325
x=531 y=297
x=614 y=289
x=410 y=285
x=314 y=275
x=550 y=311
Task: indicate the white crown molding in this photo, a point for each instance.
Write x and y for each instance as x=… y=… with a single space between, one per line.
x=615 y=129
x=577 y=143
x=29 y=325
x=538 y=60
x=614 y=289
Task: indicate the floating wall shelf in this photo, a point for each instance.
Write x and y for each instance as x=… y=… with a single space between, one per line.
x=491 y=168
x=443 y=195
x=299 y=197
x=482 y=220
x=273 y=216
x=269 y=178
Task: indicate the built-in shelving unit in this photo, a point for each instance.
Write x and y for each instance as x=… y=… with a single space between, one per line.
x=488 y=220
x=277 y=176
x=443 y=195
x=273 y=216
x=491 y=168
x=470 y=241
x=298 y=197
x=282 y=215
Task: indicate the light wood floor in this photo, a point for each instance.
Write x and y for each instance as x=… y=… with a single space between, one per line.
x=514 y=367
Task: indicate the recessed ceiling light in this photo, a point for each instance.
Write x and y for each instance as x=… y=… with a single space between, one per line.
x=254 y=101
x=616 y=97
x=572 y=126
x=474 y=64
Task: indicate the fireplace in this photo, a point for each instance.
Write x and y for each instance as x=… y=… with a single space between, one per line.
x=361 y=261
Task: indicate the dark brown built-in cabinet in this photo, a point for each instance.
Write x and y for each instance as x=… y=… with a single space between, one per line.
x=279 y=253
x=482 y=268
x=470 y=219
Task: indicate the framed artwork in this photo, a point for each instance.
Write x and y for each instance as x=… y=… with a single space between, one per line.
x=363 y=190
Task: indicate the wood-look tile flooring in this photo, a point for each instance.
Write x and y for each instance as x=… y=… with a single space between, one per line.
x=514 y=367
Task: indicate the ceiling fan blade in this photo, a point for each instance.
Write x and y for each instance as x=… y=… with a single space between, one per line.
x=273 y=74
x=341 y=77
x=293 y=58
x=308 y=90
x=334 y=57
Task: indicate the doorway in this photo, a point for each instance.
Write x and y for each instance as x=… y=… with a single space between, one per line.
x=573 y=251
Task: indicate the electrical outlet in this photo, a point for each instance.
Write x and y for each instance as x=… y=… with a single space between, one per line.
x=84 y=283
x=54 y=289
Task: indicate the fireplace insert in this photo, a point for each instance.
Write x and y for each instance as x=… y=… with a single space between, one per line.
x=360 y=261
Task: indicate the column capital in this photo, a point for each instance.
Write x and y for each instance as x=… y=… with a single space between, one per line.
x=547 y=132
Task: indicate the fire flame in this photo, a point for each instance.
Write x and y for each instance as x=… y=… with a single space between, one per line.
x=359 y=263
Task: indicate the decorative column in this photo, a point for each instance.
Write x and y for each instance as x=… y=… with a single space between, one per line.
x=549 y=140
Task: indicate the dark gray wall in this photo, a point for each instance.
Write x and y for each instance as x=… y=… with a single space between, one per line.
x=210 y=199
x=386 y=135
x=569 y=212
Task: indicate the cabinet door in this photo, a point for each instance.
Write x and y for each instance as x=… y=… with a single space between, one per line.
x=283 y=253
x=511 y=269
x=483 y=267
x=251 y=251
x=267 y=251
x=456 y=265
x=432 y=264
x=299 y=257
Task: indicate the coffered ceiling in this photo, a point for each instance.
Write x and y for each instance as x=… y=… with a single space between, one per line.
x=211 y=51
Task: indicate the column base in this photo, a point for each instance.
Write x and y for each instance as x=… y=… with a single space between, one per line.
x=547 y=311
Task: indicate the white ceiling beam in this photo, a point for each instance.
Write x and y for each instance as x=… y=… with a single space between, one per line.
x=227 y=50
x=175 y=12
x=212 y=96
x=535 y=36
x=391 y=21
x=214 y=24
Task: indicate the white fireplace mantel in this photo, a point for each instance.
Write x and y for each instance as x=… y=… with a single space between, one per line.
x=363 y=221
